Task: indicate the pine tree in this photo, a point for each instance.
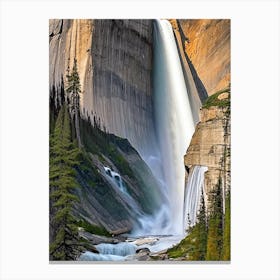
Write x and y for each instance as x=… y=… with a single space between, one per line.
x=215 y=224
x=74 y=89
x=226 y=233
x=63 y=158
x=201 y=232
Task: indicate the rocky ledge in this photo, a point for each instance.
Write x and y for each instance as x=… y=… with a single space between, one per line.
x=210 y=144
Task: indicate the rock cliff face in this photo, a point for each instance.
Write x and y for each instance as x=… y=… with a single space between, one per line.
x=117 y=187
x=207 y=45
x=114 y=60
x=70 y=39
x=210 y=146
x=122 y=87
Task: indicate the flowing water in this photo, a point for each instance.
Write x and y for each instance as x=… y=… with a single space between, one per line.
x=119 y=185
x=173 y=120
x=117 y=179
x=194 y=189
x=124 y=251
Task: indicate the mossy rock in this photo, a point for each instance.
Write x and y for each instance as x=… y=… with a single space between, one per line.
x=218 y=99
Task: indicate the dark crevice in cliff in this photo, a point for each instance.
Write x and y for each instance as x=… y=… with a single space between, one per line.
x=61 y=27
x=53 y=33
x=202 y=92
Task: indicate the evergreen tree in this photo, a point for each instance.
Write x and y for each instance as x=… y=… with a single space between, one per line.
x=63 y=158
x=74 y=89
x=201 y=232
x=215 y=225
x=226 y=233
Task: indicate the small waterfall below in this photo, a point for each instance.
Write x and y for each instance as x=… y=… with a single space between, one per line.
x=193 y=193
x=89 y=256
x=116 y=177
x=120 y=249
x=119 y=185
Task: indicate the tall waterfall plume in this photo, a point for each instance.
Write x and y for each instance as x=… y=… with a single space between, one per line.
x=173 y=119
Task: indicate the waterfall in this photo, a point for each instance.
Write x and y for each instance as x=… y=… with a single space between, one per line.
x=120 y=249
x=173 y=119
x=194 y=189
x=116 y=177
x=173 y=123
x=89 y=256
x=110 y=252
x=117 y=182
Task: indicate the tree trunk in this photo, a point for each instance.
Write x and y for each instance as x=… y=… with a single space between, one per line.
x=77 y=126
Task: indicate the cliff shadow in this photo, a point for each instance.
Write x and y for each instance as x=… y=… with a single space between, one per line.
x=202 y=92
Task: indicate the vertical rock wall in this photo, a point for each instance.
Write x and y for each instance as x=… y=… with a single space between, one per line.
x=114 y=60
x=207 y=44
x=122 y=59
x=210 y=146
x=71 y=39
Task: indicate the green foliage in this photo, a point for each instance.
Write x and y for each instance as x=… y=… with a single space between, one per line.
x=209 y=238
x=182 y=249
x=226 y=234
x=101 y=143
x=93 y=228
x=63 y=159
x=215 y=224
x=193 y=247
x=200 y=233
x=74 y=86
x=213 y=100
x=88 y=171
x=119 y=160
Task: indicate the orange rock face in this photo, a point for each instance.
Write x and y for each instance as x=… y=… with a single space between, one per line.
x=207 y=44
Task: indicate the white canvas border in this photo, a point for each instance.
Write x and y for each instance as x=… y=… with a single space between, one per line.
x=24 y=138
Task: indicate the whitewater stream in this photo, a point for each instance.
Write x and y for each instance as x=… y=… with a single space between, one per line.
x=126 y=251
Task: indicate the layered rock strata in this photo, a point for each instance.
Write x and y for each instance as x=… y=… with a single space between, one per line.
x=210 y=146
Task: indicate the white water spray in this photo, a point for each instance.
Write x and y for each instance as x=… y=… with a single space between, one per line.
x=173 y=119
x=194 y=189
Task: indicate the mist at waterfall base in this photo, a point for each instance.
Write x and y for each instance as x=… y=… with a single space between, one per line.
x=174 y=127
